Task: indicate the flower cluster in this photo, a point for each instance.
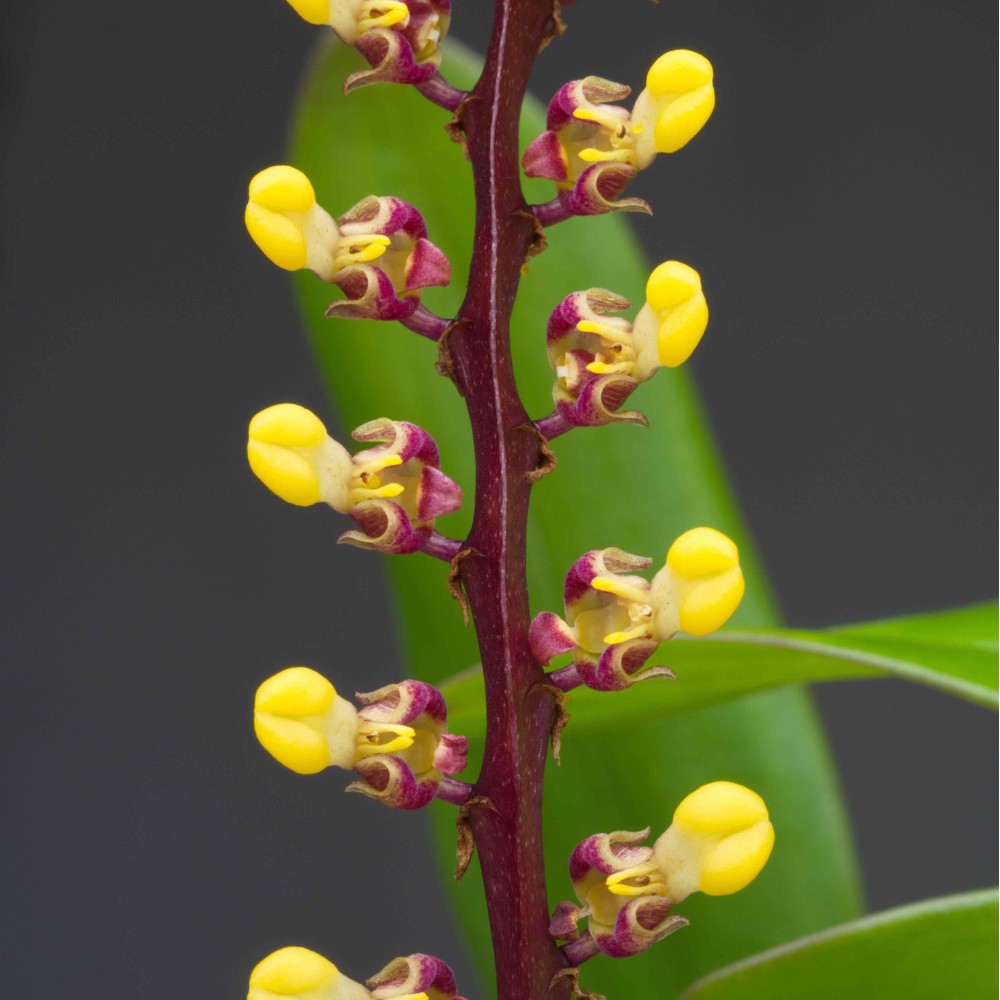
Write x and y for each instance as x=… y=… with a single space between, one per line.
x=398 y=743
x=719 y=840
x=295 y=973
x=396 y=738
x=599 y=359
x=394 y=491
x=401 y=39
x=592 y=148
x=615 y=619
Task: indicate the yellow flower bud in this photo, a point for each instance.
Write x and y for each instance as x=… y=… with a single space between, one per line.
x=291 y=454
x=303 y=723
x=285 y=221
x=720 y=839
x=679 y=98
x=300 y=974
x=670 y=325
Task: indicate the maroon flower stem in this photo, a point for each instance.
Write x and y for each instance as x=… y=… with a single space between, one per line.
x=454 y=791
x=424 y=322
x=551 y=212
x=552 y=425
x=505 y=813
x=577 y=952
x=441 y=546
x=439 y=91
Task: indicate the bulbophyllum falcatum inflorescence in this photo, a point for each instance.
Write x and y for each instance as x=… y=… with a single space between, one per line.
x=395 y=488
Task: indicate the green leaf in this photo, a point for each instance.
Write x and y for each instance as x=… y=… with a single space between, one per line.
x=955 y=651
x=939 y=948
x=641 y=489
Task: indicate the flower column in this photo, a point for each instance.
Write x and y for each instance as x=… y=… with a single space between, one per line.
x=507 y=824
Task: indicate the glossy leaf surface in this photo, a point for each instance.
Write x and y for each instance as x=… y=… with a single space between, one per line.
x=388 y=140
x=940 y=948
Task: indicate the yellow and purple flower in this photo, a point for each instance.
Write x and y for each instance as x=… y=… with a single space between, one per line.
x=719 y=841
x=394 y=491
x=377 y=253
x=398 y=742
x=616 y=619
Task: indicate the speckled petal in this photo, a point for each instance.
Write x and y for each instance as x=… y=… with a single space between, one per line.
x=370 y=295
x=545 y=158
x=385 y=527
x=549 y=636
x=392 y=782
x=399 y=704
x=392 y=60
x=414 y=974
x=577 y=592
x=620 y=666
x=640 y=923
x=598 y=401
x=437 y=495
x=565 y=918
x=598 y=188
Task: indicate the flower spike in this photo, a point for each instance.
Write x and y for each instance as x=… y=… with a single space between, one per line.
x=615 y=619
x=719 y=841
x=600 y=359
x=377 y=253
x=300 y=974
x=593 y=148
x=394 y=490
x=398 y=742
x=401 y=39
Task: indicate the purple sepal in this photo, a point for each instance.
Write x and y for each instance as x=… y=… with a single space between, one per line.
x=565 y=917
x=400 y=704
x=619 y=666
x=640 y=923
x=392 y=59
x=577 y=592
x=549 y=636
x=452 y=751
x=407 y=441
x=437 y=495
x=597 y=191
x=593 y=305
x=598 y=401
x=370 y=295
x=414 y=974
x=427 y=267
x=586 y=93
x=609 y=853
x=545 y=158
x=385 y=527
x=393 y=783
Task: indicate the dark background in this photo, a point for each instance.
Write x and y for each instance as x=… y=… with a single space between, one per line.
x=844 y=201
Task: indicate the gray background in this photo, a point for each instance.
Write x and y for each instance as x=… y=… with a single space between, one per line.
x=842 y=202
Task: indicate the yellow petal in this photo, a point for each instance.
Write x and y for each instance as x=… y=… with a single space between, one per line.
x=710 y=603
x=737 y=861
x=288 y=424
x=295 y=691
x=670 y=284
x=682 y=119
x=285 y=473
x=278 y=238
x=292 y=971
x=298 y=746
x=282 y=189
x=678 y=71
x=720 y=807
x=702 y=552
